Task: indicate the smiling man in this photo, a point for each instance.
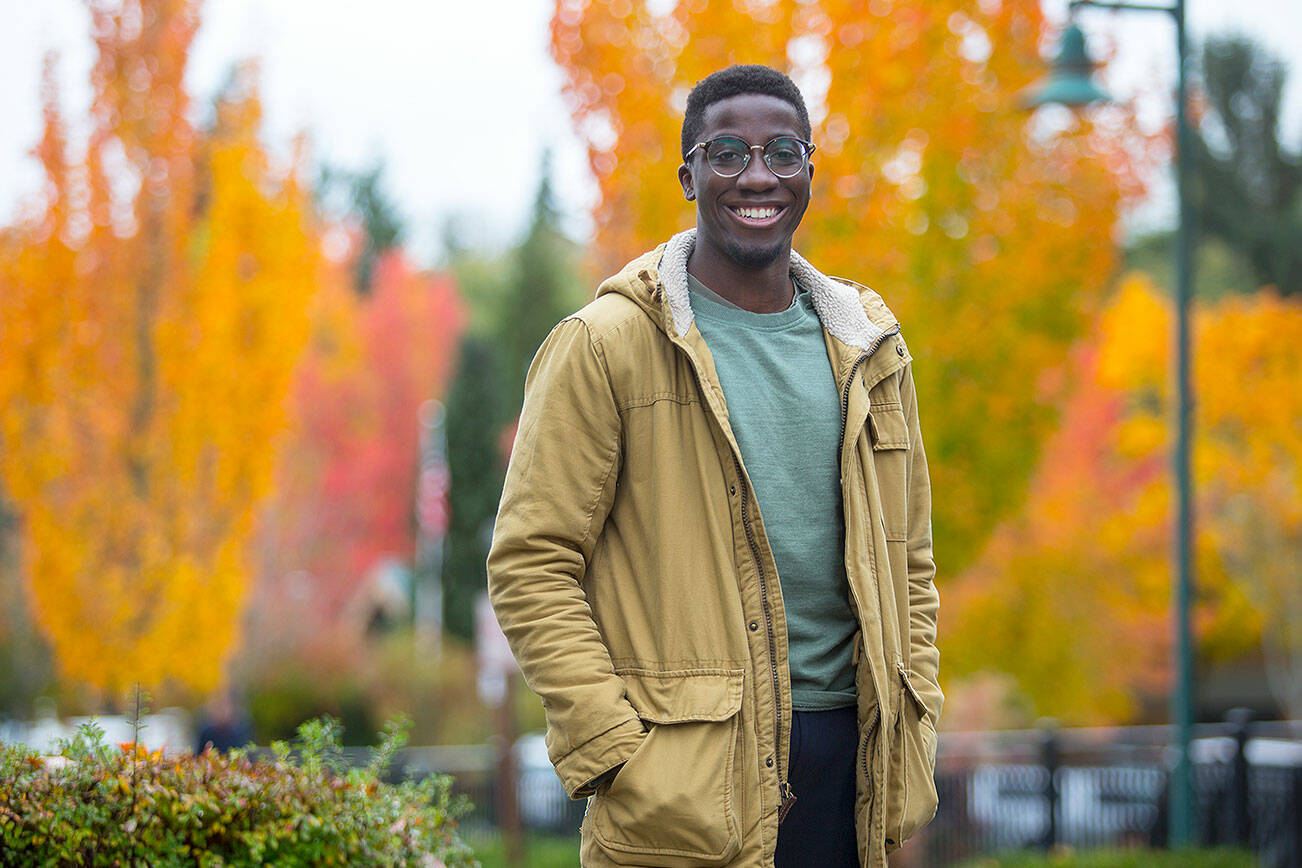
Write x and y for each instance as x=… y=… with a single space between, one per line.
x=713 y=556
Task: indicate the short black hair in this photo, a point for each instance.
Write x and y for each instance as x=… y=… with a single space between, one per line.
x=734 y=81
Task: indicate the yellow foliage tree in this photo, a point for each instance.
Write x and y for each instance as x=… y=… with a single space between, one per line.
x=152 y=311
x=1072 y=598
x=987 y=230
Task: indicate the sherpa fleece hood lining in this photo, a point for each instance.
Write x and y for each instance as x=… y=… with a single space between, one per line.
x=838 y=306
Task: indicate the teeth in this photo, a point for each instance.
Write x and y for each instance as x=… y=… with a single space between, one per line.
x=757 y=213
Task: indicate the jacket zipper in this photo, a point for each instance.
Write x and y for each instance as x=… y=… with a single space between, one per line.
x=868 y=734
x=784 y=786
x=787 y=795
x=849 y=381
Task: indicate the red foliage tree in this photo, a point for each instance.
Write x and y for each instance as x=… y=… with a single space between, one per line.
x=348 y=480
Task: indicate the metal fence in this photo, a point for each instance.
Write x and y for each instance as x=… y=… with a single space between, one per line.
x=540 y=799
x=1088 y=788
x=1012 y=790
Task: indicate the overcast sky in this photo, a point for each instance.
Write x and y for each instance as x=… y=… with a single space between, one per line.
x=404 y=79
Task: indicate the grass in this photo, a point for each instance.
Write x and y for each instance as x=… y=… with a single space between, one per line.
x=552 y=851
x=540 y=851
x=1218 y=858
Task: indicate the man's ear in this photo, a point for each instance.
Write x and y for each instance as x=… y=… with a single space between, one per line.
x=689 y=186
x=811 y=171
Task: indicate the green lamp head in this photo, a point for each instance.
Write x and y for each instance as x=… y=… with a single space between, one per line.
x=1070 y=82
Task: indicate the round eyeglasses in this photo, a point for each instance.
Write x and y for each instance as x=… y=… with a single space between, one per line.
x=728 y=156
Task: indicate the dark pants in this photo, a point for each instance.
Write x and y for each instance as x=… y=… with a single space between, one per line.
x=819 y=828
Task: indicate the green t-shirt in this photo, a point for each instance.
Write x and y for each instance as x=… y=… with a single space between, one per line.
x=786 y=415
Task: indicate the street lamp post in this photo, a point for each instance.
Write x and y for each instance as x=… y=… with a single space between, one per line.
x=1070 y=84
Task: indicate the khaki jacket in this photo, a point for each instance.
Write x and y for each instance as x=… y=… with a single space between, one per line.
x=632 y=576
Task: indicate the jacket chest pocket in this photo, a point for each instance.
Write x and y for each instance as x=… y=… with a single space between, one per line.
x=673 y=802
x=890 y=436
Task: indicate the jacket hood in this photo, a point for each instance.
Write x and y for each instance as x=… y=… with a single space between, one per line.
x=657 y=282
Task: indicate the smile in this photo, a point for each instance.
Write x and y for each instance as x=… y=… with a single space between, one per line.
x=757 y=216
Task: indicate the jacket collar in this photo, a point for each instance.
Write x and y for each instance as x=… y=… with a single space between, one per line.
x=838 y=306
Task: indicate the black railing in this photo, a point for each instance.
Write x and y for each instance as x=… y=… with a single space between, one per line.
x=1088 y=788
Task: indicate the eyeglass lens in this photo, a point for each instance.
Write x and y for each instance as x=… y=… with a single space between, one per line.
x=784 y=155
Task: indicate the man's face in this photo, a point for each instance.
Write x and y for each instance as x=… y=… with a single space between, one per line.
x=757 y=240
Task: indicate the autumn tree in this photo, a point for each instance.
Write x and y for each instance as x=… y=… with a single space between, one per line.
x=988 y=231
x=1069 y=596
x=152 y=309
x=1072 y=597
x=347 y=480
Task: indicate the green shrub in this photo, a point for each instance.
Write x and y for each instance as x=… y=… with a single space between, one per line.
x=93 y=804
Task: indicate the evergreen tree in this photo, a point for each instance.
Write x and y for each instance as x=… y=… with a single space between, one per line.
x=1246 y=183
x=543 y=288
x=474 y=420
x=26 y=665
x=1219 y=267
x=362 y=194
x=381 y=221
x=516 y=300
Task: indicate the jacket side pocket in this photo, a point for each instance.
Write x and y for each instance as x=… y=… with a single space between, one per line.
x=911 y=788
x=672 y=804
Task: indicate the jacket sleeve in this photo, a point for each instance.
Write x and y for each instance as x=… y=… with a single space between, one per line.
x=924 y=600
x=559 y=486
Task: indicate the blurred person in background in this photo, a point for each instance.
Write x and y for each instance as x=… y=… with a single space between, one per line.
x=712 y=556
x=224 y=723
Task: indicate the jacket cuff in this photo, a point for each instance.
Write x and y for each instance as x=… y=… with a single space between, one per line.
x=581 y=766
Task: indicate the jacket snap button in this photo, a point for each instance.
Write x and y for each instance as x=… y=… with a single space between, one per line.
x=754 y=625
x=732 y=489
x=769 y=762
x=899 y=350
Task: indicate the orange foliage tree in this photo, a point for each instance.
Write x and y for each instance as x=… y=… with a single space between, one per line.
x=152 y=309
x=989 y=232
x=1072 y=598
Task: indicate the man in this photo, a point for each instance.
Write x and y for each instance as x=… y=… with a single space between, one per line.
x=713 y=553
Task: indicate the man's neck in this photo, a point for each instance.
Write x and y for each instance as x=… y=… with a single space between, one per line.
x=760 y=290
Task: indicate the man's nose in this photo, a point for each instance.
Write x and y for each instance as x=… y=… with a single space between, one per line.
x=757 y=175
